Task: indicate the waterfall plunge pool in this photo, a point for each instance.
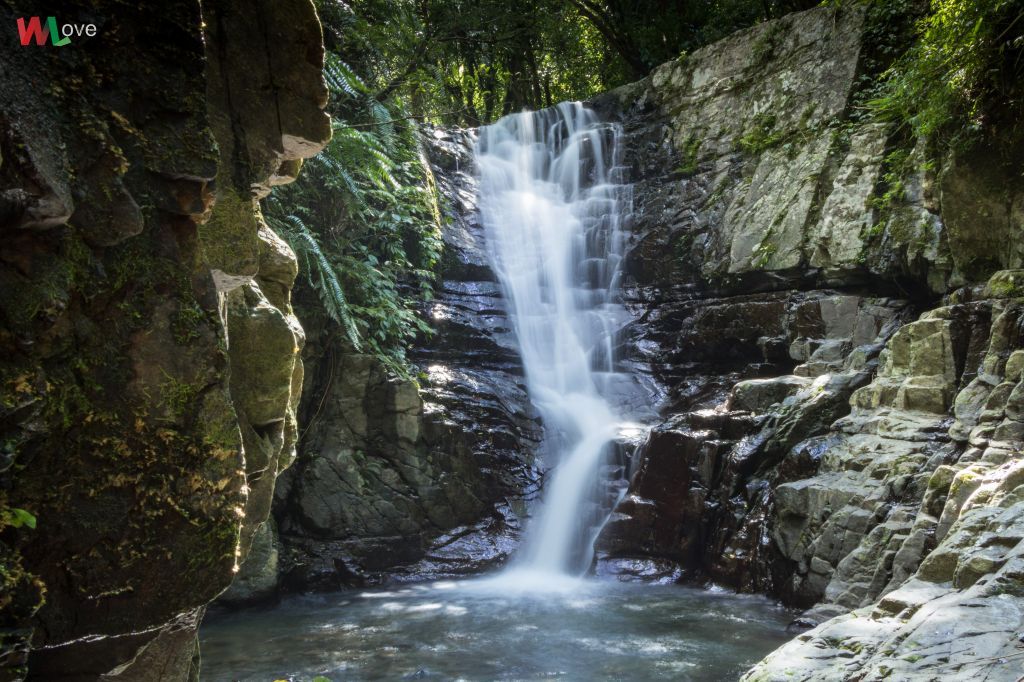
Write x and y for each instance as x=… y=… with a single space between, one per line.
x=489 y=630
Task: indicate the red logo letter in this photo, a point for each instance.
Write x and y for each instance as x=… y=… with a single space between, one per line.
x=34 y=31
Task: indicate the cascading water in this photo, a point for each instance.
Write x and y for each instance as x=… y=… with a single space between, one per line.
x=552 y=202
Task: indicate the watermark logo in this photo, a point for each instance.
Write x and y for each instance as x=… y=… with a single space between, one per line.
x=35 y=29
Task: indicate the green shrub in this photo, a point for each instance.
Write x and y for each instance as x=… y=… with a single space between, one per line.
x=362 y=217
x=967 y=61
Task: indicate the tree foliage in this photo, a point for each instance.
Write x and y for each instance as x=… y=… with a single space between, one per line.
x=965 y=69
x=646 y=33
x=472 y=61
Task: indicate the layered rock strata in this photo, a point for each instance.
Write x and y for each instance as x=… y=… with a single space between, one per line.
x=913 y=526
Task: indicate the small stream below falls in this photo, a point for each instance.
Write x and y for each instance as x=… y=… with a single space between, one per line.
x=485 y=630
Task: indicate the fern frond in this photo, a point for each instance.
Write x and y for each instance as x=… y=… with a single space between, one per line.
x=331 y=294
x=338 y=81
x=384 y=123
x=341 y=78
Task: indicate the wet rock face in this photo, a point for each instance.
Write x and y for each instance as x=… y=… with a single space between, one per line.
x=702 y=482
x=474 y=373
x=840 y=427
x=402 y=479
x=912 y=527
x=150 y=356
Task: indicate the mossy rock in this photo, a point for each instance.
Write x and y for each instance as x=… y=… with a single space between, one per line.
x=1005 y=284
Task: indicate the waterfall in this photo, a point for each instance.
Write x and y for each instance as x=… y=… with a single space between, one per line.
x=552 y=202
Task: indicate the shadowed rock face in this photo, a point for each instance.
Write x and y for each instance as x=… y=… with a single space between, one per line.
x=149 y=367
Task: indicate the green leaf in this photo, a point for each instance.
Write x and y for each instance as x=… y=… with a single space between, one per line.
x=19 y=517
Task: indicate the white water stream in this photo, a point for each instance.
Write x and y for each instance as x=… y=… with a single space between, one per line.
x=553 y=206
x=552 y=203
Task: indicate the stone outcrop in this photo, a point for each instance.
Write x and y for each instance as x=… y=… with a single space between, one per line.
x=841 y=365
x=912 y=529
x=755 y=169
x=150 y=365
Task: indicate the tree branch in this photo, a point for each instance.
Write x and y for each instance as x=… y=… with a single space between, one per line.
x=622 y=44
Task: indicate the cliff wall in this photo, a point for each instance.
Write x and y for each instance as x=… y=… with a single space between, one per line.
x=150 y=358
x=840 y=358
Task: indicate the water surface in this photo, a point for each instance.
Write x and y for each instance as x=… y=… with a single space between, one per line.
x=482 y=630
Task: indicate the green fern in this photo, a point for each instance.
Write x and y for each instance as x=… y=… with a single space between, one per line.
x=331 y=294
x=356 y=149
x=341 y=78
x=363 y=220
x=384 y=123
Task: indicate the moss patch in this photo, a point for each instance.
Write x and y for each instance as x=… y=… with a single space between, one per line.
x=762 y=134
x=1005 y=284
x=688 y=161
x=228 y=240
